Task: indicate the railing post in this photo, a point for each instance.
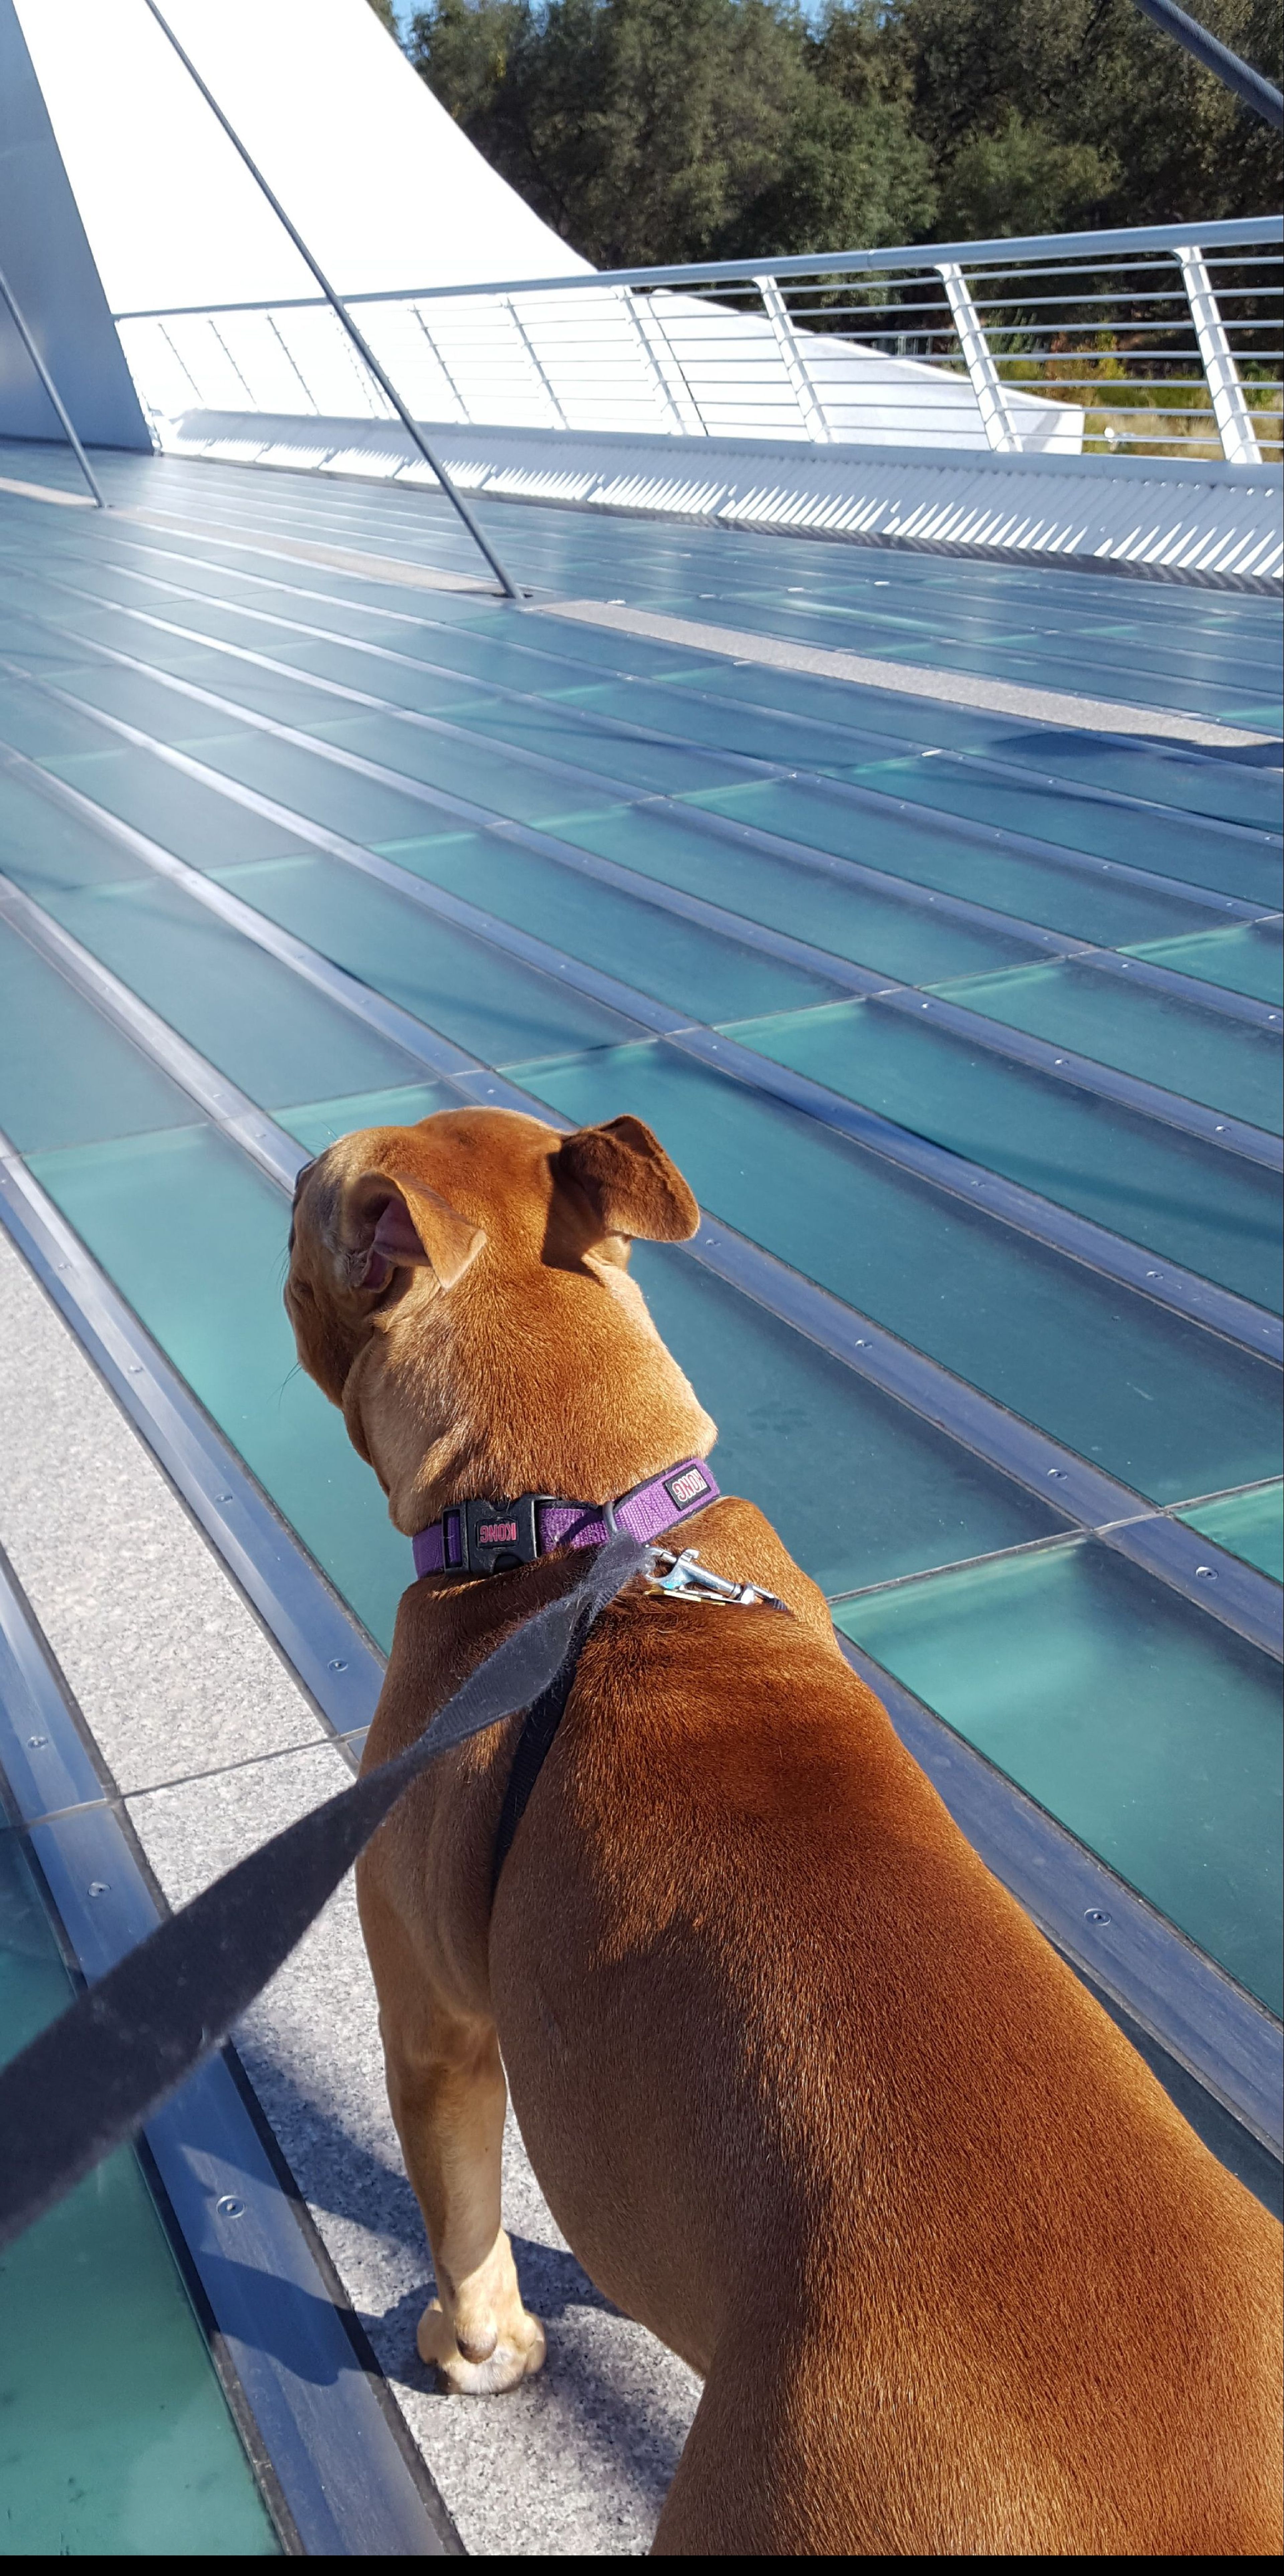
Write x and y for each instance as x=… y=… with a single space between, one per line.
x=447 y=372
x=1221 y=375
x=987 y=384
x=796 y=368
x=290 y=360
x=687 y=386
x=180 y=363
x=652 y=363
x=536 y=360
x=239 y=372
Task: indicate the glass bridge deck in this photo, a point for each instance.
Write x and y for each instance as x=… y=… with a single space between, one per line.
x=969 y=1021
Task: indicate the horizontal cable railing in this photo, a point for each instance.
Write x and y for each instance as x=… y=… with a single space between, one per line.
x=1161 y=341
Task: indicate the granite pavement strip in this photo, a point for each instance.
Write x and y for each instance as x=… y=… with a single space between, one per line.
x=214 y=1746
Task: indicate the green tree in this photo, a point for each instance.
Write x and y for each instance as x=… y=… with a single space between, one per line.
x=1042 y=114
x=655 y=131
x=1018 y=178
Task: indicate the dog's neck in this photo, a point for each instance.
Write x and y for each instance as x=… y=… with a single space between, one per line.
x=556 y=1393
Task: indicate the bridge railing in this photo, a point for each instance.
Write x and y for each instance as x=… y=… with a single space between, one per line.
x=1160 y=341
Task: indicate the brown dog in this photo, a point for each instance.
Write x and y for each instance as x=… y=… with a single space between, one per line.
x=808 y=2094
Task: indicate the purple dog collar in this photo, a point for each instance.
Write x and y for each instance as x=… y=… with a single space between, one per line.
x=487 y=1538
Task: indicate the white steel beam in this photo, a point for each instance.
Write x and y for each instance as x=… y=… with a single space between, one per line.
x=795 y=364
x=1230 y=411
x=987 y=384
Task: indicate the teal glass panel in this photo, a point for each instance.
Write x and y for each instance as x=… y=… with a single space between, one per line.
x=1162 y=1037
x=1194 y=783
x=1234 y=786
x=48 y=852
x=65 y=1074
x=31 y=648
x=1109 y=910
x=761 y=731
x=117 y=2439
x=192 y=821
x=494 y=1006
x=1140 y=1391
x=860 y=1489
x=318 y=1122
x=253 y=1017
x=907 y=942
x=1248 y=959
x=146 y=702
x=1249 y=1525
x=555 y=659
x=320 y=790
x=1136 y=836
x=41 y=727
x=558 y=732
x=1264 y=715
x=470 y=768
x=676 y=961
x=180 y=653
x=431 y=693
x=1150 y=1730
x=207 y=1284
x=1211 y=1211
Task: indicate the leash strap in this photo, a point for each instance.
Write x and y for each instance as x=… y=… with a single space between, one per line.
x=92 y=2079
x=533 y=1746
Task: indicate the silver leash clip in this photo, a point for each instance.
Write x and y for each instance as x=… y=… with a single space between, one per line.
x=686 y=1579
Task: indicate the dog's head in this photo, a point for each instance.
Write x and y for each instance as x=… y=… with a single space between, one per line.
x=460 y=1288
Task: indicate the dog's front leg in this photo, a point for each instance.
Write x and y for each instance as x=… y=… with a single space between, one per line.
x=448 y=2096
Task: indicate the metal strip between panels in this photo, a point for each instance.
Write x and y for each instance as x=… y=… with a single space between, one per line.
x=440 y=1056
x=902 y=890
x=1146 y=1273
x=842 y=791
x=885 y=744
x=482 y=818
x=341 y=2478
x=1220 y=1309
x=1242 y=1599
x=715 y=643
x=959 y=1409
x=1225 y=2039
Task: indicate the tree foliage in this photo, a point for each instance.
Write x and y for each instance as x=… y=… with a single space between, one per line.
x=654 y=131
x=1083 y=112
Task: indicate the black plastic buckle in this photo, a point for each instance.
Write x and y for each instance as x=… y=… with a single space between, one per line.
x=499 y=1535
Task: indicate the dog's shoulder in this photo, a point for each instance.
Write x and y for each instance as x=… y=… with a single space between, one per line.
x=737 y=1541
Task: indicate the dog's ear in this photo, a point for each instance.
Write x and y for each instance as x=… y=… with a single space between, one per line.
x=631 y=1186
x=401 y=1224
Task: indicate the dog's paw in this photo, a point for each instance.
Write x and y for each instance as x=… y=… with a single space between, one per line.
x=516 y=2354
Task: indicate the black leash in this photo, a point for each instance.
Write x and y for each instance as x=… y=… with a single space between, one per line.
x=92 y=2079
x=542 y=1723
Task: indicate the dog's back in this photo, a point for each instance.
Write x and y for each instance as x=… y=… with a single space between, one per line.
x=959 y=2276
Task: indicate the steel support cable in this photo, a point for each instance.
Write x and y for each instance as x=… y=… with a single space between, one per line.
x=335 y=301
x=24 y=334
x=1255 y=90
